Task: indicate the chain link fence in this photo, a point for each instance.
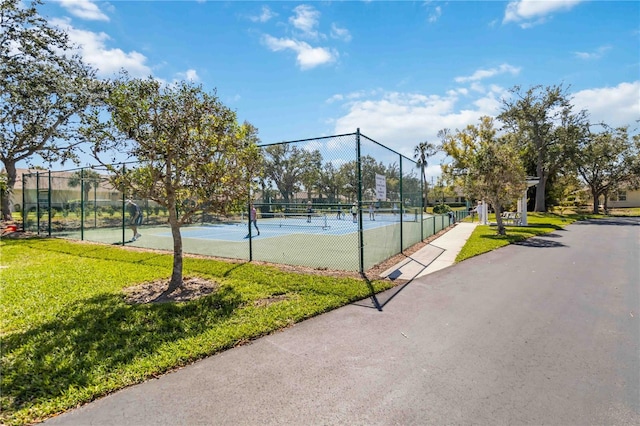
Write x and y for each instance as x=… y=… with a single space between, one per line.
x=341 y=202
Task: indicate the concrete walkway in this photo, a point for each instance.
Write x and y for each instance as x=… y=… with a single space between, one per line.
x=439 y=254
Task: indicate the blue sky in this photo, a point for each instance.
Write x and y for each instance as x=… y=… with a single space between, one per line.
x=398 y=70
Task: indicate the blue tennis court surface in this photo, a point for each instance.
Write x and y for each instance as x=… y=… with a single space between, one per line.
x=277 y=227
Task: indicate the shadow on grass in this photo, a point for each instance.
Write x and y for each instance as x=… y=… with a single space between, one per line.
x=109 y=253
x=100 y=344
x=91 y=250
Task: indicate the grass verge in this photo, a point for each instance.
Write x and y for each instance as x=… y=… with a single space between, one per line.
x=69 y=336
x=485 y=239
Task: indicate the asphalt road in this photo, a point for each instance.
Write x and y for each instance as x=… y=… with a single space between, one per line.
x=544 y=332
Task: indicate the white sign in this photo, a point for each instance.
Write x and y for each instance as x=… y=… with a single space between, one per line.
x=381 y=187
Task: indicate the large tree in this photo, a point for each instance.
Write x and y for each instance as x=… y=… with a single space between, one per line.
x=421 y=153
x=488 y=166
x=606 y=160
x=369 y=167
x=332 y=182
x=86 y=179
x=545 y=124
x=289 y=167
x=310 y=178
x=43 y=89
x=191 y=154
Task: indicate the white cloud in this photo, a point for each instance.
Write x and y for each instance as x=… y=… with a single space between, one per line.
x=340 y=33
x=190 y=75
x=597 y=54
x=266 y=15
x=307 y=56
x=483 y=74
x=532 y=12
x=306 y=20
x=84 y=9
x=616 y=106
x=335 y=98
x=435 y=14
x=93 y=49
x=402 y=120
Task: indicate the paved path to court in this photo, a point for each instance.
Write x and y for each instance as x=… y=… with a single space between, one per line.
x=438 y=254
x=541 y=332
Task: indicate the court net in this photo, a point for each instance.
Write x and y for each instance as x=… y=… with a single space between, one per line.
x=286 y=220
x=390 y=215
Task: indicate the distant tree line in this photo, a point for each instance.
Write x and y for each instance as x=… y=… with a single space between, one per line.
x=291 y=170
x=538 y=134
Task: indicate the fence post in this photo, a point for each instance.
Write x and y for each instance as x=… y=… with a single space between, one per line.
x=82 y=204
x=123 y=210
x=49 y=203
x=422 y=207
x=95 y=203
x=401 y=210
x=38 y=201
x=24 y=212
x=360 y=232
x=249 y=223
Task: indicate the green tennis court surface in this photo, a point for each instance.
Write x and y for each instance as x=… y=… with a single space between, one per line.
x=324 y=242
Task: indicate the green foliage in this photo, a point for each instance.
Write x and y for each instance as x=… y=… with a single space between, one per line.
x=607 y=160
x=191 y=154
x=543 y=123
x=627 y=212
x=291 y=168
x=69 y=336
x=441 y=209
x=42 y=86
x=488 y=167
x=421 y=153
x=86 y=179
x=189 y=148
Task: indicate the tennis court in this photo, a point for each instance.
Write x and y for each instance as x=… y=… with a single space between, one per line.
x=320 y=176
x=323 y=242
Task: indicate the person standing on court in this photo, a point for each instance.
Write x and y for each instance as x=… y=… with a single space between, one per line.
x=372 y=212
x=339 y=215
x=135 y=218
x=309 y=211
x=253 y=219
x=354 y=212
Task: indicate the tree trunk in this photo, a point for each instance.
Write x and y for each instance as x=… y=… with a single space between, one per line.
x=501 y=229
x=541 y=205
x=596 y=201
x=425 y=188
x=176 y=274
x=6 y=194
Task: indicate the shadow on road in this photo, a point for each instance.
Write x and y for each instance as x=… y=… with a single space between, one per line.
x=538 y=242
x=615 y=221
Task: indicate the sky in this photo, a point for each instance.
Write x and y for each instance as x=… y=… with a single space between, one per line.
x=400 y=71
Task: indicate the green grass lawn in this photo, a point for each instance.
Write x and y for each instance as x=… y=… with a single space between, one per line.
x=485 y=238
x=69 y=336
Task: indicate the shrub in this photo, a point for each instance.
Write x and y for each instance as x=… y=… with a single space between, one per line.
x=441 y=209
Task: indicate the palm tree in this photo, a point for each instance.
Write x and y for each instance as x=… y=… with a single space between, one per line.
x=87 y=179
x=421 y=153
